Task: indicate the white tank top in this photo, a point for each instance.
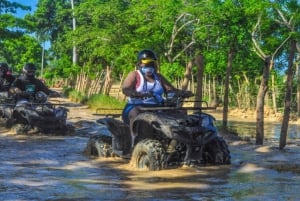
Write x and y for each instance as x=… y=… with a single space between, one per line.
x=145 y=87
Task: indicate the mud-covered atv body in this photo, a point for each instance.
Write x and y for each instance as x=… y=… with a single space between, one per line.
x=27 y=114
x=166 y=136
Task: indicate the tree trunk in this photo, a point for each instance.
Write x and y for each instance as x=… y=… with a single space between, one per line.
x=108 y=81
x=226 y=90
x=74 y=58
x=215 y=101
x=274 y=94
x=298 y=85
x=260 y=102
x=247 y=98
x=199 y=60
x=187 y=75
x=204 y=84
x=209 y=87
x=288 y=93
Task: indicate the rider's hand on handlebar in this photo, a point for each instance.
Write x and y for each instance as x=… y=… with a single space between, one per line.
x=17 y=91
x=135 y=94
x=54 y=94
x=141 y=95
x=185 y=94
x=149 y=94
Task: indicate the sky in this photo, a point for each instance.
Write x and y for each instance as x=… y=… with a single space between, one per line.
x=22 y=13
x=31 y=3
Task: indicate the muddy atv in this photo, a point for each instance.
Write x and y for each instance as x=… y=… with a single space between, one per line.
x=166 y=136
x=37 y=115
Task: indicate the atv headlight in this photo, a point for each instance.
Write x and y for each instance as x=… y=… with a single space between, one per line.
x=207 y=122
x=41 y=97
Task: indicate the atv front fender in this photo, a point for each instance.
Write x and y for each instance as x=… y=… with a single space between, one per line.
x=147 y=123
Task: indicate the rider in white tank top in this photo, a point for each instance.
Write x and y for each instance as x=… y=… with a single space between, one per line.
x=145 y=87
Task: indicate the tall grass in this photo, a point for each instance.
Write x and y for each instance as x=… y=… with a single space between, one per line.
x=103 y=101
x=75 y=96
x=95 y=101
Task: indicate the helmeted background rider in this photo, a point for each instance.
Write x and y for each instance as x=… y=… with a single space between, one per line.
x=28 y=83
x=6 y=78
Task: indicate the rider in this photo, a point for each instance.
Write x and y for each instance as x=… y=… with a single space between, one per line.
x=29 y=84
x=6 y=78
x=144 y=86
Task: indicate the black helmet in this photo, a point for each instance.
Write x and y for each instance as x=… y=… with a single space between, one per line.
x=146 y=56
x=29 y=69
x=3 y=67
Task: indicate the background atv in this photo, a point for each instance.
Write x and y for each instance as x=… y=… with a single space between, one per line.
x=36 y=114
x=166 y=136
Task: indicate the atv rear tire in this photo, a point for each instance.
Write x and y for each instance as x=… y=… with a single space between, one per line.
x=100 y=146
x=216 y=152
x=148 y=155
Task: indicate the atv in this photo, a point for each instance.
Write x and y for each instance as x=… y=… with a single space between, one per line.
x=166 y=136
x=33 y=114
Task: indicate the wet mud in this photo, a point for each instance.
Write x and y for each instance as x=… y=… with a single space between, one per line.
x=45 y=167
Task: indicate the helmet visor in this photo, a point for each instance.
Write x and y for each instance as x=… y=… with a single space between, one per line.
x=147 y=60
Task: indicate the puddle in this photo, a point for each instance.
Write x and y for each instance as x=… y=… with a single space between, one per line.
x=53 y=168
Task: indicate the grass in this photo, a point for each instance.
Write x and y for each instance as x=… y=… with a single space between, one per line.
x=75 y=96
x=103 y=101
x=95 y=101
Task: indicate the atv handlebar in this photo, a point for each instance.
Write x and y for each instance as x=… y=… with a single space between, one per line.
x=183 y=93
x=175 y=108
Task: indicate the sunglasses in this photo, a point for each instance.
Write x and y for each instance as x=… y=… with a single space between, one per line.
x=147 y=61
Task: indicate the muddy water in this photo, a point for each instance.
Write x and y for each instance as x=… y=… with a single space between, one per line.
x=271 y=129
x=52 y=168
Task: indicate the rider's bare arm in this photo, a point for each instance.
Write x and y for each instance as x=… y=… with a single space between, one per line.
x=170 y=88
x=166 y=84
x=128 y=87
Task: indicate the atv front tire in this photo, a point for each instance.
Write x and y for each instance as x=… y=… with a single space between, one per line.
x=148 y=155
x=21 y=128
x=216 y=152
x=100 y=146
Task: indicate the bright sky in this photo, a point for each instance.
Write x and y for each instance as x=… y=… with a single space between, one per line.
x=21 y=13
x=31 y=3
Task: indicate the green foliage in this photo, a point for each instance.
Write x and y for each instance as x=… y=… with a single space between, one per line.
x=61 y=67
x=172 y=71
x=19 y=51
x=16 y=47
x=111 y=32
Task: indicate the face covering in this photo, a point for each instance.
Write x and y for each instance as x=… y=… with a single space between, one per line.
x=30 y=74
x=148 y=70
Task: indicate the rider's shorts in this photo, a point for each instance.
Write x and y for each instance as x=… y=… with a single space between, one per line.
x=128 y=107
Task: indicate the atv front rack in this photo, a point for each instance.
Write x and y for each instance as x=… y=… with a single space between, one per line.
x=115 y=112
x=181 y=107
x=108 y=112
x=54 y=105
